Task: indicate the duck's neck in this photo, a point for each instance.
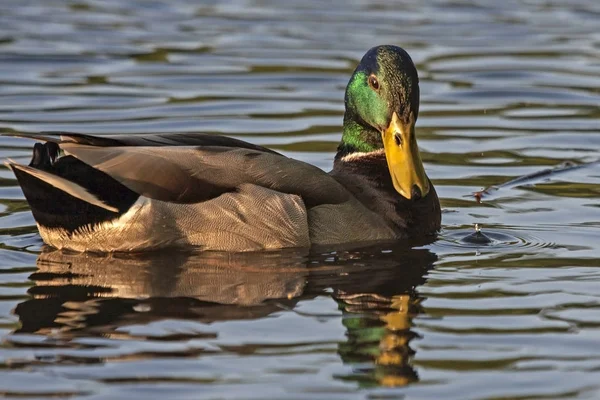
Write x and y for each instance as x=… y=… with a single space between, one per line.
x=357 y=138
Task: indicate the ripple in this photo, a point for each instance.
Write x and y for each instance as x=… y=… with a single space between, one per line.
x=493 y=238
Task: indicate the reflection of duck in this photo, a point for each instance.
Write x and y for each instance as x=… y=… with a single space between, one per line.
x=82 y=294
x=209 y=286
x=126 y=193
x=381 y=340
x=378 y=308
x=224 y=278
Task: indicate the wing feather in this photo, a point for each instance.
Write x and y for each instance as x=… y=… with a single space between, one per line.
x=192 y=174
x=149 y=140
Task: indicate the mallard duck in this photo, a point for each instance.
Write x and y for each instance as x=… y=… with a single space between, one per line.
x=144 y=192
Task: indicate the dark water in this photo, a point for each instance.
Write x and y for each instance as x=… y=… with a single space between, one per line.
x=508 y=88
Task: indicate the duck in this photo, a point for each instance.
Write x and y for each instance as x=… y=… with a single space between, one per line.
x=130 y=193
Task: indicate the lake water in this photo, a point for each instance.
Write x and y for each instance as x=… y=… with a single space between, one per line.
x=508 y=88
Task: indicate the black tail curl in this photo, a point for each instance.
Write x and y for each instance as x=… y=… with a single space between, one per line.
x=55 y=208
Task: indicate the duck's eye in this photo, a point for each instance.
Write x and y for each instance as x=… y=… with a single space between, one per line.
x=373 y=83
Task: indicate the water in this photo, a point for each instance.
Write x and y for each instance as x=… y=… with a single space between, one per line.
x=508 y=88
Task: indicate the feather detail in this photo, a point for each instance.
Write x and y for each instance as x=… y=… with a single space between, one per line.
x=66 y=186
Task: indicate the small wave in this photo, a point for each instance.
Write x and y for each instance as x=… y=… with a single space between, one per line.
x=496 y=238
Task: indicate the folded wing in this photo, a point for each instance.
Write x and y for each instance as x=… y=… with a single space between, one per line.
x=193 y=174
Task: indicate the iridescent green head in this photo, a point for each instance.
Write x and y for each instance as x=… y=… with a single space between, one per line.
x=382 y=105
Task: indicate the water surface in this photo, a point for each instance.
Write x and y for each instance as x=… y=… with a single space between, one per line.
x=508 y=89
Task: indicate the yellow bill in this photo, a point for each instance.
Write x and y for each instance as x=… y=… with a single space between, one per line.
x=404 y=160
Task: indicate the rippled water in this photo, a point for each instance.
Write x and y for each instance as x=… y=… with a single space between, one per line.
x=508 y=89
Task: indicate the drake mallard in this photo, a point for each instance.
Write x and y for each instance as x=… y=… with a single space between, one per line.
x=144 y=192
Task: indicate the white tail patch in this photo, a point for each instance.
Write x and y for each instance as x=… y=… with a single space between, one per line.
x=66 y=186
